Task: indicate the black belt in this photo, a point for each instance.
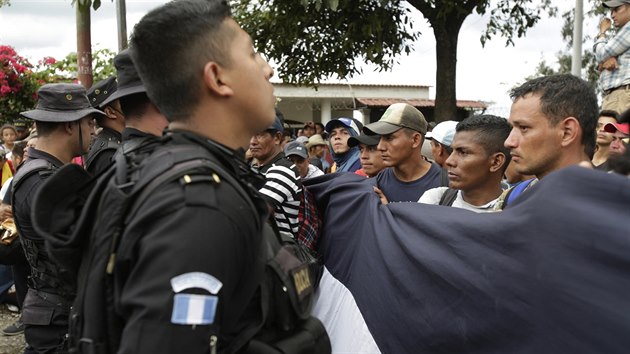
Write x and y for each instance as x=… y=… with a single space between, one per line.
x=622 y=87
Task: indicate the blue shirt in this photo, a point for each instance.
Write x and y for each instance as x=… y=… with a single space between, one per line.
x=398 y=191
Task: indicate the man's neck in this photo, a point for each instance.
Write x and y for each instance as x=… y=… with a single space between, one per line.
x=483 y=194
x=601 y=155
x=52 y=145
x=269 y=158
x=411 y=170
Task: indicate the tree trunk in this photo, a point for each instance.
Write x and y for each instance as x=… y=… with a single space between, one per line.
x=446 y=71
x=84 y=46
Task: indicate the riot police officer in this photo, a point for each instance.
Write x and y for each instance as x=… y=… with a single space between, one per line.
x=64 y=120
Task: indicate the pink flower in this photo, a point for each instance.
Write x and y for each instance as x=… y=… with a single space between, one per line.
x=4 y=89
x=49 y=60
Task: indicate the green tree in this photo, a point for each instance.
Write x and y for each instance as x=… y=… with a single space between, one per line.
x=315 y=39
x=564 y=57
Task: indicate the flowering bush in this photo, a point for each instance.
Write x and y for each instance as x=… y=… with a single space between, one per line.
x=20 y=80
x=17 y=87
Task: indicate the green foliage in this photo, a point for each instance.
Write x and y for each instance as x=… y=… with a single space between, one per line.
x=512 y=18
x=563 y=57
x=312 y=40
x=20 y=80
x=87 y=3
x=5 y=2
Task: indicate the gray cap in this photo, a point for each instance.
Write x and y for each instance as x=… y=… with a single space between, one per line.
x=397 y=116
x=615 y=3
x=61 y=102
x=295 y=148
x=100 y=91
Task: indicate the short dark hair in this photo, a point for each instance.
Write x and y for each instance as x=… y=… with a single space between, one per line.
x=8 y=126
x=18 y=148
x=46 y=128
x=609 y=113
x=135 y=105
x=490 y=132
x=170 y=46
x=562 y=96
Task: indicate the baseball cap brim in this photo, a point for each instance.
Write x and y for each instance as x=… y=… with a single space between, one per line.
x=380 y=128
x=369 y=140
x=613 y=3
x=57 y=116
x=122 y=92
x=613 y=127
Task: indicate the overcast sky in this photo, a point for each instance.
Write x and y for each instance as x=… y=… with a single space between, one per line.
x=38 y=28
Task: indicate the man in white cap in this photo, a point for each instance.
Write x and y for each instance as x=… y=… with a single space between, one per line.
x=441 y=138
x=402 y=128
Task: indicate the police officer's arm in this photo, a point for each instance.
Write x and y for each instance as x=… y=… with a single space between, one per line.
x=196 y=240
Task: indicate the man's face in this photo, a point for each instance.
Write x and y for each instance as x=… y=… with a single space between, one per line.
x=620 y=15
x=301 y=164
x=263 y=145
x=468 y=165
x=397 y=147
x=604 y=138
x=248 y=75
x=308 y=131
x=619 y=143
x=436 y=148
x=534 y=143
x=86 y=125
x=371 y=160
x=339 y=140
x=317 y=151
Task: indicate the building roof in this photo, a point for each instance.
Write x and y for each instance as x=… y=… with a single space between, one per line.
x=419 y=102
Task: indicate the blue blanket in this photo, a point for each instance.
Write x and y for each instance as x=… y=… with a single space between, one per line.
x=551 y=274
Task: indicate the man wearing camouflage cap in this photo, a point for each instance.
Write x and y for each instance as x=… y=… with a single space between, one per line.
x=64 y=120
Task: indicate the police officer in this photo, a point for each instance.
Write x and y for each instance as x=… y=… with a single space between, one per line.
x=64 y=119
x=143 y=120
x=112 y=124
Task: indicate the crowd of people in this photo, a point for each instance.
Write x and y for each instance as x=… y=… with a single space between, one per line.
x=198 y=177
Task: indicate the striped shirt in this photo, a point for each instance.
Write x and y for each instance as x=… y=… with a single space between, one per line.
x=282 y=190
x=617 y=46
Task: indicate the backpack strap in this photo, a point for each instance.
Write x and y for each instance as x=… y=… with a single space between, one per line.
x=448 y=197
x=40 y=166
x=515 y=191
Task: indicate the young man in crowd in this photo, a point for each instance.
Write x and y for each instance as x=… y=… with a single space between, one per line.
x=295 y=151
x=476 y=165
x=553 y=126
x=370 y=157
x=603 y=139
x=441 y=138
x=401 y=129
x=339 y=131
x=317 y=151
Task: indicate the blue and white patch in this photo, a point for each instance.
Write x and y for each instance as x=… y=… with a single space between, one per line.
x=194 y=309
x=196 y=280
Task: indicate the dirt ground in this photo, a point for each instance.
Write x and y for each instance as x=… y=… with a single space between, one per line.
x=13 y=344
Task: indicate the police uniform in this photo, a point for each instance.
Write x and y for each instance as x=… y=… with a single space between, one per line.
x=104 y=145
x=102 y=151
x=199 y=248
x=47 y=303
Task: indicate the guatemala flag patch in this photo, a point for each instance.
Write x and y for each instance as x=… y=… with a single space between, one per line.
x=193 y=309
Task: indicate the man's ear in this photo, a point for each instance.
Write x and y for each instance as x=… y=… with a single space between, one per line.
x=497 y=160
x=213 y=75
x=416 y=139
x=570 y=130
x=277 y=138
x=69 y=127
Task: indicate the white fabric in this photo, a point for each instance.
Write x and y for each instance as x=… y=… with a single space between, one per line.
x=336 y=308
x=5 y=188
x=313 y=171
x=433 y=196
